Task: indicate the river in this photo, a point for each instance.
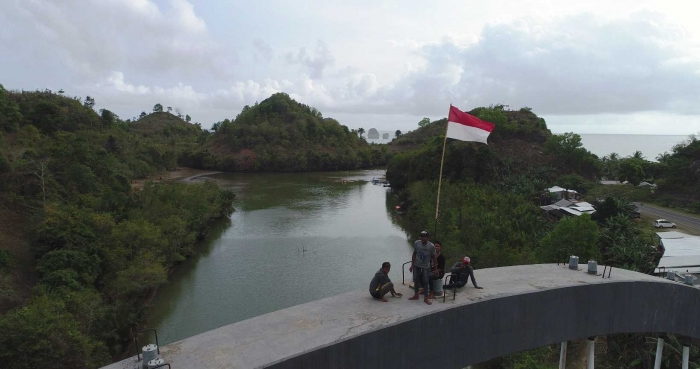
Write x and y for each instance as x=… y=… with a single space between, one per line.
x=294 y=238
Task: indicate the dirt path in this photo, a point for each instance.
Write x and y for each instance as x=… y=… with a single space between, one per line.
x=181 y=174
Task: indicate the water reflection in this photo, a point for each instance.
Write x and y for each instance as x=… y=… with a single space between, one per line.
x=295 y=237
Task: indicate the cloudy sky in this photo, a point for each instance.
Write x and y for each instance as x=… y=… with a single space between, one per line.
x=622 y=66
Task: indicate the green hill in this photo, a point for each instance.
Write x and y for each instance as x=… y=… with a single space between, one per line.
x=280 y=134
x=165 y=125
x=522 y=154
x=80 y=250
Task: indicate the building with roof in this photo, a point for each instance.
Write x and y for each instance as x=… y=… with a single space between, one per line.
x=563 y=193
x=681 y=252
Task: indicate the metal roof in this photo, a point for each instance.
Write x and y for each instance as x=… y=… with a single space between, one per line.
x=563 y=203
x=559 y=189
x=672 y=234
x=680 y=253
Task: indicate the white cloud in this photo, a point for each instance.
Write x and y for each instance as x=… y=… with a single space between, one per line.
x=315 y=65
x=571 y=59
x=94 y=37
x=262 y=51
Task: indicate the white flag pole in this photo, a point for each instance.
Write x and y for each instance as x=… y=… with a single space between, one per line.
x=444 y=144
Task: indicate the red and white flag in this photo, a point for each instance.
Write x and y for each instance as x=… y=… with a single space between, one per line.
x=465 y=127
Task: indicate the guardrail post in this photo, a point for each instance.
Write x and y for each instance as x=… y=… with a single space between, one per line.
x=591 y=353
x=403 y=272
x=562 y=355
x=659 y=352
x=686 y=352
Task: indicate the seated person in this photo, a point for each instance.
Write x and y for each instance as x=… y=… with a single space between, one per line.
x=437 y=275
x=381 y=284
x=461 y=272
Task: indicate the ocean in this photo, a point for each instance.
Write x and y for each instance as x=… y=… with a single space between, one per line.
x=604 y=144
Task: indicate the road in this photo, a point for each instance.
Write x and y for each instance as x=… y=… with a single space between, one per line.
x=678 y=218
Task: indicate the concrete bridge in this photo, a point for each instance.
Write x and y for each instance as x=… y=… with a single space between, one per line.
x=520 y=308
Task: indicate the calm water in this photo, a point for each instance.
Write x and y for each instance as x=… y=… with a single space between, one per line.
x=626 y=145
x=293 y=238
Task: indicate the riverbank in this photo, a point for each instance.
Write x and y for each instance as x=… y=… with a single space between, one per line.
x=181 y=174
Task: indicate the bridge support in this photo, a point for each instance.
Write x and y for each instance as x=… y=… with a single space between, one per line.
x=659 y=352
x=562 y=356
x=591 y=353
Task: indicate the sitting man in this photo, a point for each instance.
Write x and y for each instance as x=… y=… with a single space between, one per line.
x=381 y=284
x=437 y=275
x=461 y=272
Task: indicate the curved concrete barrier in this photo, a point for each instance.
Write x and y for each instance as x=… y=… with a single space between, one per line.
x=521 y=307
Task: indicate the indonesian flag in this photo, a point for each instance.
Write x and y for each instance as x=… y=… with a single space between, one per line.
x=465 y=127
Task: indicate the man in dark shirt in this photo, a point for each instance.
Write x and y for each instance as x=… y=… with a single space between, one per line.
x=437 y=275
x=381 y=284
x=461 y=272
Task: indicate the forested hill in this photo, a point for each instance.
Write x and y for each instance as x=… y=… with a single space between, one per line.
x=522 y=153
x=80 y=250
x=280 y=134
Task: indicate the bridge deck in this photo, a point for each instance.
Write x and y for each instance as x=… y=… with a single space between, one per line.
x=320 y=325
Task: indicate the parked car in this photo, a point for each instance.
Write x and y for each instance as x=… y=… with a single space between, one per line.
x=663 y=223
x=635 y=213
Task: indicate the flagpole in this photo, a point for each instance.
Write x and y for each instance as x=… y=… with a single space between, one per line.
x=442 y=161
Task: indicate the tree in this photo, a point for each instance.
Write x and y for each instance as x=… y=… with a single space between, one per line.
x=170 y=109
x=638 y=155
x=187 y=118
x=44 y=335
x=108 y=117
x=215 y=127
x=571 y=236
x=178 y=112
x=631 y=171
x=424 y=122
x=40 y=170
x=662 y=158
x=361 y=131
x=397 y=134
x=112 y=145
x=142 y=115
x=89 y=102
x=158 y=108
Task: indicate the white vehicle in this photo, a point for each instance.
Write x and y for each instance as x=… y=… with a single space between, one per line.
x=663 y=223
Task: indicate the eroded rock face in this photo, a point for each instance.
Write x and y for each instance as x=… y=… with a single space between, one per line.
x=373 y=133
x=385 y=136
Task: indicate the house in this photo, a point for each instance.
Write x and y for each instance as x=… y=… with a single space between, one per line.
x=563 y=193
x=566 y=207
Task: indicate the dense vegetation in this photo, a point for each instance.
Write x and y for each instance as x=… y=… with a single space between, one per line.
x=677 y=174
x=95 y=247
x=488 y=208
x=280 y=134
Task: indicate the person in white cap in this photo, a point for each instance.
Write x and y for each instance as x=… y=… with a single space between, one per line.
x=461 y=272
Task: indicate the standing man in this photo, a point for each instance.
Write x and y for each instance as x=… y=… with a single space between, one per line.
x=461 y=272
x=423 y=258
x=381 y=284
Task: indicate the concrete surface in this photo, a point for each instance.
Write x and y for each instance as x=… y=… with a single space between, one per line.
x=520 y=308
